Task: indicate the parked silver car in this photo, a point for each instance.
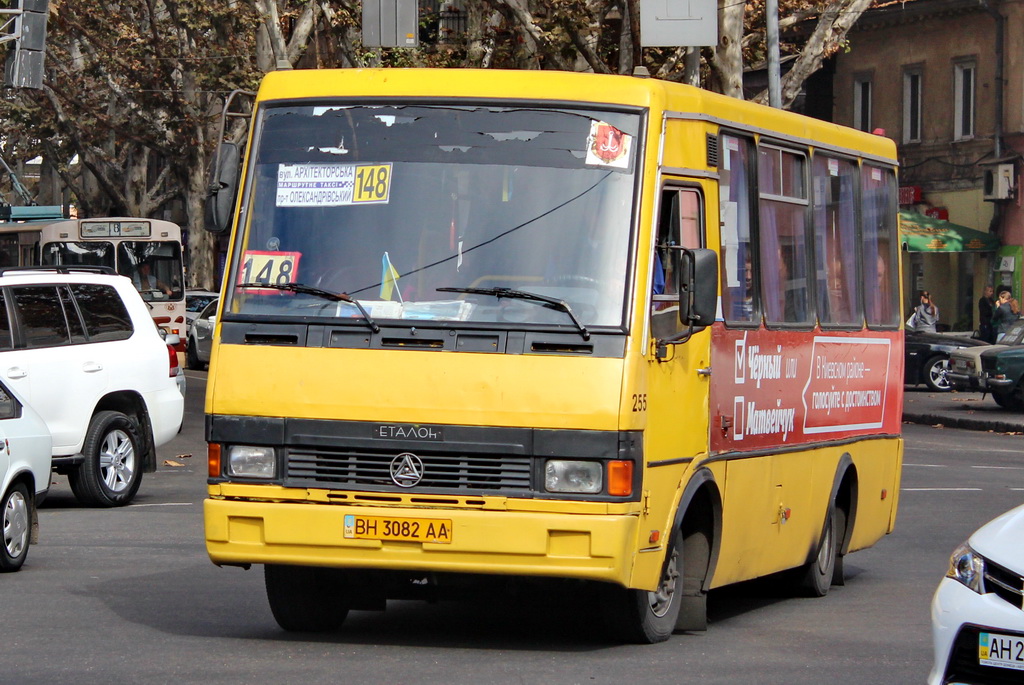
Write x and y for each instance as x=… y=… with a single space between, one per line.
x=200 y=337
x=195 y=303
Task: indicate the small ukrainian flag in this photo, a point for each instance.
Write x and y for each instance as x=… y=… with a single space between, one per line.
x=388 y=279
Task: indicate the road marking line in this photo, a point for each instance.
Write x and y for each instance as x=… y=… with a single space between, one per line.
x=165 y=504
x=930 y=466
x=1008 y=468
x=941 y=489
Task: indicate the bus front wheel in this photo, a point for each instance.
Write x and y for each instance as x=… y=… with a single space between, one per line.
x=645 y=617
x=305 y=598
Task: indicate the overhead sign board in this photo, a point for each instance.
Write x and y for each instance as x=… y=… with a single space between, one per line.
x=678 y=23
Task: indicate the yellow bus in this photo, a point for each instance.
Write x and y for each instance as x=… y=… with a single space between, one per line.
x=491 y=324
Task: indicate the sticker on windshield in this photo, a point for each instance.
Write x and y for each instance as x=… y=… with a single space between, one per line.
x=332 y=185
x=608 y=146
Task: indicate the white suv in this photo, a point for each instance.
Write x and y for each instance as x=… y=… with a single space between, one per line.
x=79 y=345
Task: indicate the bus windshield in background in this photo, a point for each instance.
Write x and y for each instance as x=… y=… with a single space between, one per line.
x=153 y=266
x=389 y=203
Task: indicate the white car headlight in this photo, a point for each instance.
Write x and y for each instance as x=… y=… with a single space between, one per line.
x=251 y=462
x=574 y=476
x=968 y=567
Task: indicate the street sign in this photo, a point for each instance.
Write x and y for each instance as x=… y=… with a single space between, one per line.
x=678 y=23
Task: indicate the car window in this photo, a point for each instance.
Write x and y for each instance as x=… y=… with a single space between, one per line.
x=1014 y=335
x=9 y=407
x=71 y=316
x=6 y=342
x=106 y=317
x=42 y=316
x=195 y=303
x=210 y=311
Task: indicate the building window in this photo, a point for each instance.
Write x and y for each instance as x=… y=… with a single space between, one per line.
x=862 y=103
x=912 y=105
x=963 y=99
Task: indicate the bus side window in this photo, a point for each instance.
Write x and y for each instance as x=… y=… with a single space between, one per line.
x=835 y=242
x=737 y=256
x=680 y=224
x=782 y=190
x=878 y=246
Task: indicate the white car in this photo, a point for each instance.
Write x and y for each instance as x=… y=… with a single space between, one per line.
x=24 y=476
x=977 y=617
x=79 y=345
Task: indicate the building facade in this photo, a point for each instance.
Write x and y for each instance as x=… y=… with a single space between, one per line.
x=944 y=79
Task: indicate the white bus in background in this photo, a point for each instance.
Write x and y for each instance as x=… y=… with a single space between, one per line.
x=128 y=245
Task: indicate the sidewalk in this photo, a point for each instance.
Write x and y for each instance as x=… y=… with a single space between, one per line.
x=959 y=410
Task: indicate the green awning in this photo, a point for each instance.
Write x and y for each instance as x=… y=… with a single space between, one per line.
x=920 y=233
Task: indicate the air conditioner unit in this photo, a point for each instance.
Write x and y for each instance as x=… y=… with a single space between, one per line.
x=999 y=182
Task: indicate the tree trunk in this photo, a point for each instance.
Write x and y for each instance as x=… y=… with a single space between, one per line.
x=726 y=60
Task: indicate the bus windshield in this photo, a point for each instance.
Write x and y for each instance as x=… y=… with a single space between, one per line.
x=404 y=207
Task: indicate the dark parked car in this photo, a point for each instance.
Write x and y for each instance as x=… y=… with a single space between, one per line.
x=1003 y=368
x=965 y=367
x=927 y=357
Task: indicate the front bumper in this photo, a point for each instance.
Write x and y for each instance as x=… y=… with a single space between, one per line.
x=484 y=540
x=958 y=615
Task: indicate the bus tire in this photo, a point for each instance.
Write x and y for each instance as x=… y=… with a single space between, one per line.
x=643 y=617
x=817 y=575
x=306 y=599
x=111 y=473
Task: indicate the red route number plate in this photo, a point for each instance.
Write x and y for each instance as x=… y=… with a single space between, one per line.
x=408 y=529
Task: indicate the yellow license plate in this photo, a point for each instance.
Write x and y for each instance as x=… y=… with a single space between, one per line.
x=386 y=528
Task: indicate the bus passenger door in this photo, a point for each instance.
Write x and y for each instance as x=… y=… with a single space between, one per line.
x=677 y=390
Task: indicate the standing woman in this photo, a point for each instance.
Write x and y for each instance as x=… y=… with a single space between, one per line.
x=926 y=314
x=1004 y=315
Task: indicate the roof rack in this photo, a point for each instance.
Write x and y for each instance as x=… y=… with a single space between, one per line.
x=105 y=270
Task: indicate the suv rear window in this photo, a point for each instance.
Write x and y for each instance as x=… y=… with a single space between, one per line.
x=106 y=317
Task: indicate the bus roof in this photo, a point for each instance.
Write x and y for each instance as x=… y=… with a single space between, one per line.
x=667 y=97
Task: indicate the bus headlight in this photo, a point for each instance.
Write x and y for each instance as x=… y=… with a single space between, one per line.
x=573 y=476
x=250 y=461
x=968 y=567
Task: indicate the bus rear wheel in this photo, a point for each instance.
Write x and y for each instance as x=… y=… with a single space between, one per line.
x=306 y=599
x=817 y=576
x=644 y=617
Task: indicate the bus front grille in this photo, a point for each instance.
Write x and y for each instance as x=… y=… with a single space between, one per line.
x=336 y=468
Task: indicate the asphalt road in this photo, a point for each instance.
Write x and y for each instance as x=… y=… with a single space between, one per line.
x=129 y=595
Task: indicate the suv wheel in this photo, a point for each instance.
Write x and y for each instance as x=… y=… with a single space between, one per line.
x=112 y=471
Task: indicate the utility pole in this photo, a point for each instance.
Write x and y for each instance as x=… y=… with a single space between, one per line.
x=772 y=30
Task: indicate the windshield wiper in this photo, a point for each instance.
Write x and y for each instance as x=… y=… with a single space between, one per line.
x=317 y=292
x=511 y=293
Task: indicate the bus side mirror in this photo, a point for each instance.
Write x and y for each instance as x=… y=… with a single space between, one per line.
x=698 y=287
x=223 y=188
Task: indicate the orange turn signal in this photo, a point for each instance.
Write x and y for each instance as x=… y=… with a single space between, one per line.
x=620 y=478
x=213 y=459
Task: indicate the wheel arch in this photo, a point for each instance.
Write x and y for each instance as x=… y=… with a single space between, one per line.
x=700 y=510
x=845 y=485
x=27 y=478
x=132 y=404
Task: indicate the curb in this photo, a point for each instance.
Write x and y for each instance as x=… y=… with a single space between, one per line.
x=964 y=423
